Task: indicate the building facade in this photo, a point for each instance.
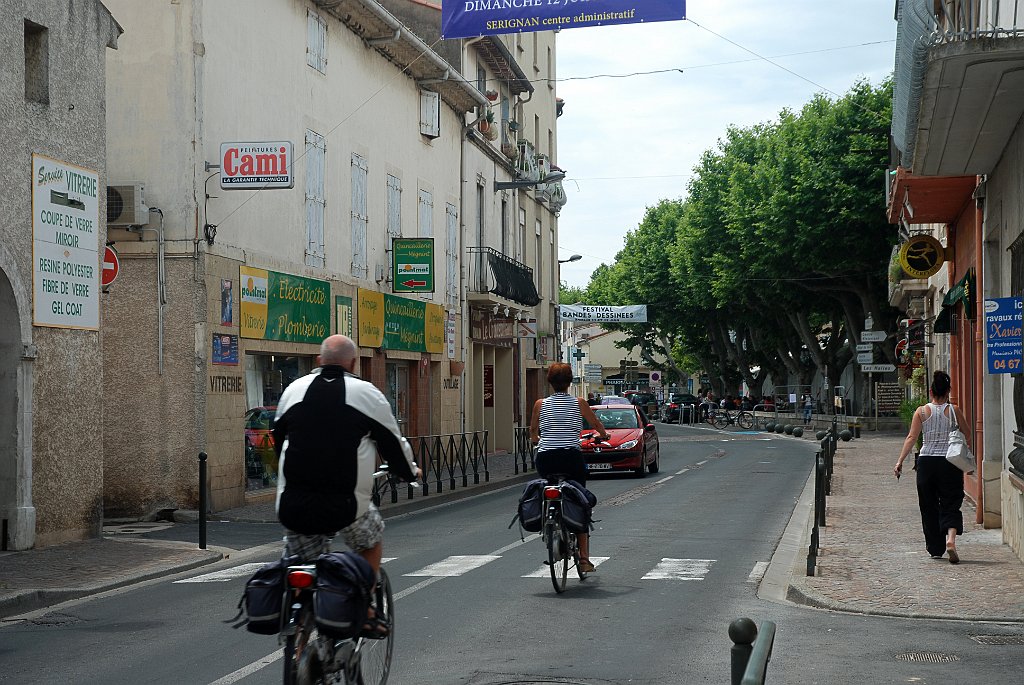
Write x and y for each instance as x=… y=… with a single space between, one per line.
x=52 y=128
x=958 y=133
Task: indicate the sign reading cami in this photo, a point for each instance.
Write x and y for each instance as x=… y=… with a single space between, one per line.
x=276 y=306
x=630 y=313
x=254 y=166
x=398 y=323
x=413 y=265
x=471 y=18
x=65 y=245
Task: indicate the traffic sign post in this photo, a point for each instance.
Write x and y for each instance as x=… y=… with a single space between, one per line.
x=111 y=267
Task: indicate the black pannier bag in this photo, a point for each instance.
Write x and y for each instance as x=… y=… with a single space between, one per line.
x=344 y=583
x=263 y=598
x=531 y=506
x=577 y=503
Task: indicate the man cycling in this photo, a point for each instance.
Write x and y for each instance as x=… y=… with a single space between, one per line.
x=329 y=428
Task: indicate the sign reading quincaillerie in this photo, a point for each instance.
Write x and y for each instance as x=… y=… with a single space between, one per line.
x=65 y=245
x=630 y=313
x=471 y=18
x=276 y=306
x=398 y=323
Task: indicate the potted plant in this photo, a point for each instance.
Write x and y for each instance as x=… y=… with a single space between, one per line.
x=486 y=125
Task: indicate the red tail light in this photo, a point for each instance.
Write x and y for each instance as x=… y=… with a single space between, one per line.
x=301 y=579
x=552 y=493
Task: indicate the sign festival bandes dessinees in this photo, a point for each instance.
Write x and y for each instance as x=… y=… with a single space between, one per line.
x=629 y=313
x=472 y=18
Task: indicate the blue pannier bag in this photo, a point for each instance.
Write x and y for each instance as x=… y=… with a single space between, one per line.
x=344 y=584
x=263 y=598
x=577 y=506
x=530 y=511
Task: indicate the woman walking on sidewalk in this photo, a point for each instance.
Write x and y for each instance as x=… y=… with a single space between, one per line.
x=940 y=485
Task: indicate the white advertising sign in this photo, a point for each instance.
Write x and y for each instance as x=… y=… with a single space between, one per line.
x=449 y=333
x=65 y=245
x=630 y=313
x=252 y=166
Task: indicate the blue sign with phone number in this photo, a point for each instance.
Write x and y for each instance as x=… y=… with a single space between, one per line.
x=1003 y=334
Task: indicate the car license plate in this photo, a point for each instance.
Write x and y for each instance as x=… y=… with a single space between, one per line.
x=599 y=467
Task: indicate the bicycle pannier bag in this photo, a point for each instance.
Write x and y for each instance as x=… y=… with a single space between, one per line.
x=577 y=503
x=263 y=598
x=344 y=581
x=531 y=506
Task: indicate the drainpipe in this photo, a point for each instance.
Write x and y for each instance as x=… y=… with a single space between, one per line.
x=977 y=384
x=161 y=285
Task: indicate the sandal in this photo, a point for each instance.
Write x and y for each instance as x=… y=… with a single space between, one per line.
x=954 y=558
x=375 y=628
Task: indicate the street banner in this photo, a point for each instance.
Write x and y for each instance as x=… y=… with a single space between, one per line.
x=1003 y=334
x=472 y=18
x=630 y=313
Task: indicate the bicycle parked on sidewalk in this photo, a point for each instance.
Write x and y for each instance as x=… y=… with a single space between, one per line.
x=721 y=418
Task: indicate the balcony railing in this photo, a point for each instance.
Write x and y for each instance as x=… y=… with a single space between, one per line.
x=960 y=20
x=492 y=272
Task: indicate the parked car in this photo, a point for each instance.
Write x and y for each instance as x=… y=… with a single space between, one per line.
x=647 y=401
x=260 y=456
x=676 y=401
x=632 y=442
x=614 y=399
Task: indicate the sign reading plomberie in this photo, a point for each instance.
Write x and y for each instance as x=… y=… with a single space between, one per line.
x=630 y=313
x=254 y=166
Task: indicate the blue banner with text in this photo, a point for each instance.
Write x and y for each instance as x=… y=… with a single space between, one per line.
x=471 y=18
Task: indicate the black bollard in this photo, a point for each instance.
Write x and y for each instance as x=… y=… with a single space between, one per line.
x=742 y=632
x=202 y=500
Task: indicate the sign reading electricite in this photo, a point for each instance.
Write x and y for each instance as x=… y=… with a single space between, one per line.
x=630 y=313
x=413 y=265
x=276 y=306
x=471 y=18
x=255 y=166
x=65 y=245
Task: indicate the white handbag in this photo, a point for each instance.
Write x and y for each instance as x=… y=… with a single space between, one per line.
x=957 y=453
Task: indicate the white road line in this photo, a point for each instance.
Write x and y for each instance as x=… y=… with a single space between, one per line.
x=528 y=538
x=455 y=565
x=680 y=569
x=223 y=575
x=543 y=571
x=663 y=480
x=701 y=463
x=679 y=473
x=385 y=560
x=758 y=573
x=246 y=671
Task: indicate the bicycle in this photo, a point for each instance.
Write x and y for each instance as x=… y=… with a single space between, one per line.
x=561 y=542
x=313 y=658
x=721 y=418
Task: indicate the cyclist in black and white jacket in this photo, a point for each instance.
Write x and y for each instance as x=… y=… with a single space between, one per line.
x=329 y=427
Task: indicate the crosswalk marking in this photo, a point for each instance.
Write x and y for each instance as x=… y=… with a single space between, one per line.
x=224 y=575
x=679 y=569
x=454 y=565
x=543 y=571
x=758 y=572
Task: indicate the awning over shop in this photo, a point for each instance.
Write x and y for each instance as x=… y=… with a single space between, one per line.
x=928 y=199
x=963 y=291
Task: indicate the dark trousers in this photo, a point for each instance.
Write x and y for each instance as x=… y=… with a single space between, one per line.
x=940 y=492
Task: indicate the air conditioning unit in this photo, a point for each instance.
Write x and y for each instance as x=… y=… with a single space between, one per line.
x=126 y=205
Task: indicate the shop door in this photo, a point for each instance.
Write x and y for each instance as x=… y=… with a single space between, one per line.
x=398 y=393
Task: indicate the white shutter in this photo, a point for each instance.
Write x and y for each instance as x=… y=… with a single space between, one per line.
x=316 y=42
x=394 y=207
x=430 y=113
x=316 y=154
x=359 y=216
x=426 y=215
x=452 y=255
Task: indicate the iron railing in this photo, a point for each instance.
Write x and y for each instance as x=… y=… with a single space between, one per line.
x=451 y=459
x=824 y=461
x=525 y=451
x=751 y=651
x=493 y=272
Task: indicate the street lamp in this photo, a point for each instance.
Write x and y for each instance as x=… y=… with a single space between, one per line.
x=574 y=258
x=553 y=177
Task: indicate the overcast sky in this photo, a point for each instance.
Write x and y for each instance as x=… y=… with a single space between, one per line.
x=627 y=143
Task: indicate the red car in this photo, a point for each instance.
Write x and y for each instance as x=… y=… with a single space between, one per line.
x=260 y=457
x=632 y=444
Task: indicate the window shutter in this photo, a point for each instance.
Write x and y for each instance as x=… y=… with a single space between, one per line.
x=316 y=153
x=426 y=215
x=394 y=207
x=359 y=216
x=452 y=255
x=316 y=42
x=430 y=113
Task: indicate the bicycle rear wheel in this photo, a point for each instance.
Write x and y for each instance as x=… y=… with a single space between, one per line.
x=558 y=556
x=375 y=654
x=721 y=420
x=301 y=663
x=745 y=420
x=711 y=417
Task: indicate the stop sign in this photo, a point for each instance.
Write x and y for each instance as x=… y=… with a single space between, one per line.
x=111 y=267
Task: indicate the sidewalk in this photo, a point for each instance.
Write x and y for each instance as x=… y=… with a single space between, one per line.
x=872 y=558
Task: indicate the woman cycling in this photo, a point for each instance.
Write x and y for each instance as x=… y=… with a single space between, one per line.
x=555 y=427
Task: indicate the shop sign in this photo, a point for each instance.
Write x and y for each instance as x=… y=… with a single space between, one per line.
x=630 y=313
x=888 y=397
x=1003 y=334
x=449 y=333
x=398 y=323
x=65 y=245
x=257 y=166
x=277 y=306
x=343 y=315
x=225 y=349
x=472 y=18
x=412 y=265
x=921 y=256
x=488 y=385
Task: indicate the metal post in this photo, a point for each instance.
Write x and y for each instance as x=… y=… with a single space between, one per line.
x=202 y=500
x=742 y=632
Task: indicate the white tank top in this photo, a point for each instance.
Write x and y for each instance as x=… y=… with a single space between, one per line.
x=560 y=422
x=935 y=431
